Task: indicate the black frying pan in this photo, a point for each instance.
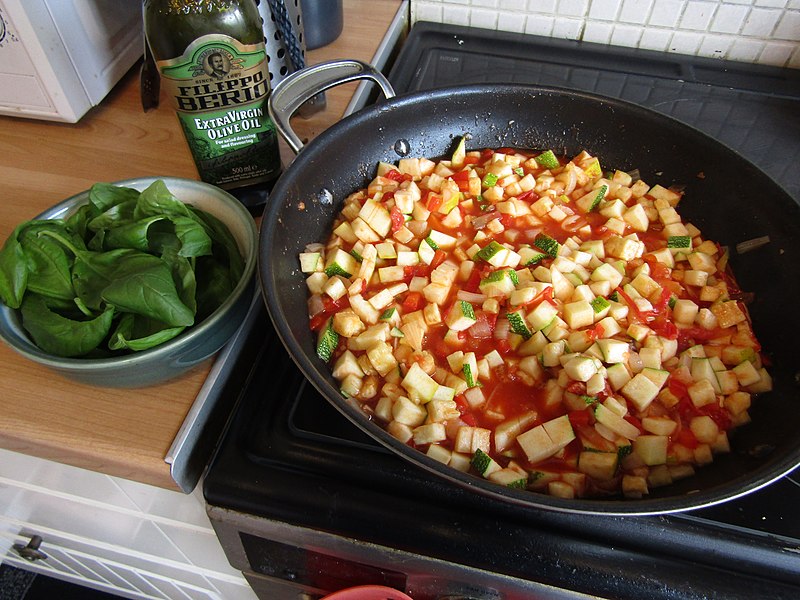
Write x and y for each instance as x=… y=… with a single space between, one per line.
x=727 y=197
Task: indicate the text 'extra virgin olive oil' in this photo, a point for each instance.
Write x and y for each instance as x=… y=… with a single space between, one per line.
x=213 y=64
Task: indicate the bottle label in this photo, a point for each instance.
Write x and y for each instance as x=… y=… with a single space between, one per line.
x=219 y=89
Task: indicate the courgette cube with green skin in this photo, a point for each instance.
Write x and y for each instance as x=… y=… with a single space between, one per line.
x=518 y=325
x=590 y=201
x=499 y=283
x=489 y=180
x=327 y=341
x=599 y=304
x=469 y=377
x=460 y=153
x=310 y=262
x=531 y=256
x=509 y=478
x=547 y=244
x=483 y=463
x=340 y=263
x=420 y=383
x=548 y=160
x=679 y=242
x=426 y=251
x=461 y=316
x=490 y=250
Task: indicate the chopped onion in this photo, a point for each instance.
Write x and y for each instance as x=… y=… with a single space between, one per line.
x=572 y=181
x=471 y=297
x=481 y=330
x=573 y=223
x=483 y=220
x=315 y=305
x=753 y=244
x=502 y=329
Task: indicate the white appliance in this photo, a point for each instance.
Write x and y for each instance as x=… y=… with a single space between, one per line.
x=59 y=58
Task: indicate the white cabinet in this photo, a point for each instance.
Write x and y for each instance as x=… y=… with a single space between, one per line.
x=131 y=539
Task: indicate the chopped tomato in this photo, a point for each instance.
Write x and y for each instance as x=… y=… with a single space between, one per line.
x=438 y=258
x=397 y=176
x=472 y=160
x=318 y=320
x=398 y=220
x=466 y=410
x=473 y=283
x=412 y=302
x=462 y=179
x=579 y=417
x=685 y=437
x=433 y=201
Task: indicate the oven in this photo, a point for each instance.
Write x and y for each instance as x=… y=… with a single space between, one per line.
x=304 y=503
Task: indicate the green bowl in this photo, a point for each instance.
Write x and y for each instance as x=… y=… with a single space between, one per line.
x=193 y=346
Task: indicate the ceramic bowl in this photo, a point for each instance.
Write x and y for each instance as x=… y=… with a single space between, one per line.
x=196 y=343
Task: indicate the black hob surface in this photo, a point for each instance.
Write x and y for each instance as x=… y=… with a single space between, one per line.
x=290 y=456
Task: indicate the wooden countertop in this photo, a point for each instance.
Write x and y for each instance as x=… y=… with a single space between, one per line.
x=124 y=433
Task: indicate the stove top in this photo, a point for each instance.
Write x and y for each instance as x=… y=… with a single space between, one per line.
x=289 y=456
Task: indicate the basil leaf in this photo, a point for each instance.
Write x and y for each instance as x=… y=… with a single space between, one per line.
x=114 y=216
x=49 y=262
x=143 y=284
x=60 y=335
x=137 y=333
x=134 y=235
x=156 y=199
x=103 y=196
x=13 y=270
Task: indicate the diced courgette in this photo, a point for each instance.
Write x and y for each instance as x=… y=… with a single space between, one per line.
x=327 y=341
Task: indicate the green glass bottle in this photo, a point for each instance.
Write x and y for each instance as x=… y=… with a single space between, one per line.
x=213 y=64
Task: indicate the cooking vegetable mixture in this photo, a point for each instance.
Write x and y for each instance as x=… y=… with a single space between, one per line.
x=534 y=320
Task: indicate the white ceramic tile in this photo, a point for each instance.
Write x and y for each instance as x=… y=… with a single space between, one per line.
x=548 y=7
x=697 y=15
x=794 y=61
x=626 y=35
x=598 y=32
x=484 y=3
x=761 y=22
x=455 y=15
x=426 y=12
x=772 y=3
x=777 y=53
x=635 y=11
x=729 y=18
x=789 y=26
x=656 y=39
x=513 y=22
x=573 y=8
x=570 y=29
x=685 y=42
x=666 y=13
x=793 y=4
x=486 y=19
x=512 y=5
x=716 y=46
x=745 y=50
x=605 y=10
x=539 y=25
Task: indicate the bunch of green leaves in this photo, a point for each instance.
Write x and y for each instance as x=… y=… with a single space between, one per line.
x=125 y=272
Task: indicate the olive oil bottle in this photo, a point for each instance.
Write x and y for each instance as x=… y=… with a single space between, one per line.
x=213 y=64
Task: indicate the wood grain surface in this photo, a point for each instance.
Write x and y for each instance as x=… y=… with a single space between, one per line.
x=125 y=433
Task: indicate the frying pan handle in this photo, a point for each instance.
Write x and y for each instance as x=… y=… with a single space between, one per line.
x=306 y=83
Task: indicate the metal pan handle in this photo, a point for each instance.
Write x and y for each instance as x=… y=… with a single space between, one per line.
x=294 y=90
